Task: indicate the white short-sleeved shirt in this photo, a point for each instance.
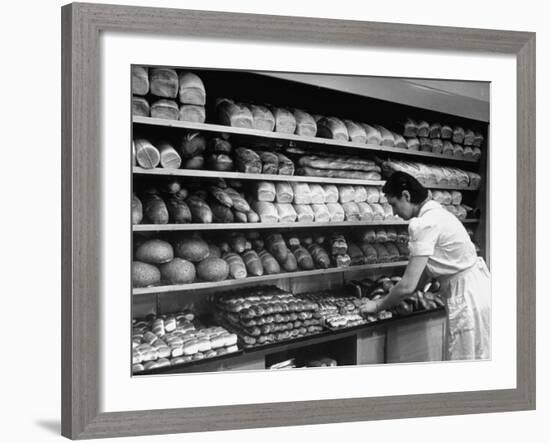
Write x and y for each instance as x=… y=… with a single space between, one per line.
x=440 y=235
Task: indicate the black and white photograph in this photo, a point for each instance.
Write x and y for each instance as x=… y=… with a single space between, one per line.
x=287 y=220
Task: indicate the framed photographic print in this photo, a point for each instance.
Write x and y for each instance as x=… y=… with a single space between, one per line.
x=271 y=215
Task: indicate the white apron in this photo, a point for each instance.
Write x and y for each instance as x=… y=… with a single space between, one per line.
x=464 y=277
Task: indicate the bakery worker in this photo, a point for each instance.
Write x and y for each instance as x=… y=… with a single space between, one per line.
x=439 y=244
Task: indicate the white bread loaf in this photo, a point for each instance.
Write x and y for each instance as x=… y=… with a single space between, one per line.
x=265 y=191
x=351 y=211
x=169 y=157
x=378 y=212
x=191 y=89
x=423 y=129
x=356 y=132
x=321 y=213
x=192 y=113
x=373 y=194
x=331 y=193
x=458 y=152
x=456 y=197
x=373 y=135
x=234 y=114
x=262 y=118
x=468 y=153
x=266 y=211
x=437 y=146
x=399 y=141
x=302 y=193
x=336 y=212
x=365 y=211
x=147 y=155
x=346 y=193
x=304 y=213
x=317 y=193
x=387 y=136
x=413 y=144
x=166 y=109
x=283 y=193
x=410 y=128
x=305 y=123
x=284 y=120
x=448 y=148
x=163 y=82
x=476 y=153
x=478 y=139
x=140 y=80
x=469 y=137
x=333 y=128
x=360 y=194
x=140 y=107
x=286 y=213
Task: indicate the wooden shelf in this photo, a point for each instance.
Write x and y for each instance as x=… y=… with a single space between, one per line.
x=261 y=279
x=249 y=226
x=276 y=136
x=201 y=173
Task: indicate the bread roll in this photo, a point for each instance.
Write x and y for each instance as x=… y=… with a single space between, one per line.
x=346 y=193
x=253 y=263
x=283 y=193
x=446 y=132
x=164 y=108
x=387 y=136
x=286 y=213
x=332 y=128
x=178 y=210
x=140 y=107
x=284 y=120
x=169 y=157
x=137 y=210
x=305 y=123
x=360 y=194
x=437 y=146
x=270 y=265
x=191 y=89
x=399 y=141
x=154 y=209
x=266 y=211
x=147 y=155
x=140 y=80
x=413 y=144
x=164 y=82
x=302 y=193
x=234 y=114
x=286 y=166
x=365 y=211
x=192 y=113
x=304 y=213
x=317 y=193
x=246 y=160
x=200 y=211
x=356 y=132
x=410 y=128
x=423 y=129
x=458 y=151
x=237 y=268
x=373 y=135
x=321 y=213
x=351 y=211
x=270 y=162
x=336 y=212
x=265 y=191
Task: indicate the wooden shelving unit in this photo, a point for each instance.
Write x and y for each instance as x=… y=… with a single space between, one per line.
x=295 y=139
x=264 y=278
x=255 y=226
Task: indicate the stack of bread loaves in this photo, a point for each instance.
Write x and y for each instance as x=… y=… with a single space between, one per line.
x=443 y=139
x=174 y=339
x=168 y=94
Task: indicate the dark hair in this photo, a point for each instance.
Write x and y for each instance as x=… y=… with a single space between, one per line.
x=401 y=181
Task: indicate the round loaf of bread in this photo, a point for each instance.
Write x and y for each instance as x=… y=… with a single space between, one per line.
x=193 y=248
x=213 y=269
x=178 y=271
x=154 y=251
x=144 y=274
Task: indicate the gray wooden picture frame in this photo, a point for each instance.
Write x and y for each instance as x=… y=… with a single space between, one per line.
x=81 y=166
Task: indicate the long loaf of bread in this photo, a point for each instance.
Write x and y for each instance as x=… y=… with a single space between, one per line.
x=360 y=175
